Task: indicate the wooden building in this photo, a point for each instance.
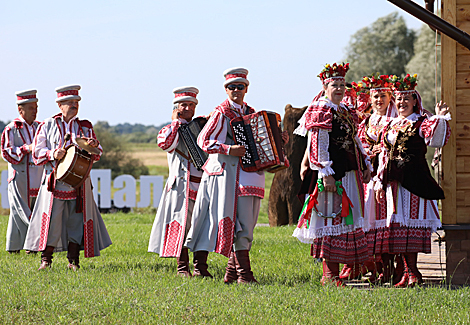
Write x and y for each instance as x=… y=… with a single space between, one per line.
x=456 y=154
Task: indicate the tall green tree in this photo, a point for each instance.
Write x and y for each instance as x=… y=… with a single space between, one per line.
x=424 y=64
x=385 y=47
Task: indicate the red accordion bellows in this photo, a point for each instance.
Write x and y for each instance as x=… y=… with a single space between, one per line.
x=260 y=134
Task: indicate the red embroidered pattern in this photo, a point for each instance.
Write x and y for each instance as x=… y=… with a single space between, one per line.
x=45 y=220
x=314 y=147
x=414 y=206
x=345 y=248
x=378 y=90
x=6 y=152
x=185 y=94
x=165 y=141
x=25 y=97
x=192 y=194
x=251 y=191
x=428 y=127
x=170 y=243
x=328 y=80
x=88 y=244
x=213 y=173
x=235 y=75
x=33 y=192
x=65 y=195
x=319 y=117
x=67 y=93
x=225 y=237
x=399 y=239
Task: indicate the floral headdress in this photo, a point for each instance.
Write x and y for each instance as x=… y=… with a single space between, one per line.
x=406 y=84
x=333 y=72
x=362 y=95
x=359 y=88
x=379 y=83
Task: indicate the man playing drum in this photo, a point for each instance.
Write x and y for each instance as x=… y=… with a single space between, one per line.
x=24 y=176
x=65 y=218
x=173 y=218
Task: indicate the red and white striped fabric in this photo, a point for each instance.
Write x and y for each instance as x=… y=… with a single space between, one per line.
x=168 y=136
x=12 y=153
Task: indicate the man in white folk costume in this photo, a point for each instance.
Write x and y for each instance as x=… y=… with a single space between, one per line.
x=173 y=218
x=24 y=177
x=228 y=201
x=65 y=218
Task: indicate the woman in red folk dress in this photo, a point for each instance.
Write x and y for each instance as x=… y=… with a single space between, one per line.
x=332 y=217
x=384 y=110
x=404 y=185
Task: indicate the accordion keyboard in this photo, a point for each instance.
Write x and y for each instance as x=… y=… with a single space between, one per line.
x=243 y=139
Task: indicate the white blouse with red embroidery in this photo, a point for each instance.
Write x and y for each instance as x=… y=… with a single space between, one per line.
x=14 y=154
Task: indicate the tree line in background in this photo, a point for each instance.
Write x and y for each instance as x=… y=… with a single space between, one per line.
x=133 y=133
x=387 y=46
x=116 y=141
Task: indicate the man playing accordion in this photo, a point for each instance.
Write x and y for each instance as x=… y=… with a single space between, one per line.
x=228 y=201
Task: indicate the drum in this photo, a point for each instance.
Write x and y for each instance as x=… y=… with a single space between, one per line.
x=74 y=167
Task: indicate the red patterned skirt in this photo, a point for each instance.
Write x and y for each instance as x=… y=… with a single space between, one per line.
x=349 y=248
x=398 y=239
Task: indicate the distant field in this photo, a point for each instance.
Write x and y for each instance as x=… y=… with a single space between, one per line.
x=149 y=153
x=3 y=165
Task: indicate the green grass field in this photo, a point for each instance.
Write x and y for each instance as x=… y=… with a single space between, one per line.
x=127 y=285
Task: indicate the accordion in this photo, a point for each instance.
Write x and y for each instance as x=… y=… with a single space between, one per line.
x=189 y=132
x=260 y=134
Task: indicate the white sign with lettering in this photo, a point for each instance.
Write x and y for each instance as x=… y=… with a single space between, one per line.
x=125 y=196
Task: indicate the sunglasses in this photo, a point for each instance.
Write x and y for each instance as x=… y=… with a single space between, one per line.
x=233 y=87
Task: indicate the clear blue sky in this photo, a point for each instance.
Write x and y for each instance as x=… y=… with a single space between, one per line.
x=129 y=55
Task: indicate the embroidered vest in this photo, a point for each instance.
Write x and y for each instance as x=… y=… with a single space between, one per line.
x=342 y=147
x=373 y=160
x=407 y=163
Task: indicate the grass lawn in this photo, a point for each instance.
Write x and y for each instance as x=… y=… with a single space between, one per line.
x=127 y=285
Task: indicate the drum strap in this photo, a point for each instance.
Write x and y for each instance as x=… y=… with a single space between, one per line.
x=194 y=179
x=181 y=153
x=51 y=181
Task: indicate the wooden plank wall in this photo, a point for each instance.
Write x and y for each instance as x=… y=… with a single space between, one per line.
x=456 y=93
